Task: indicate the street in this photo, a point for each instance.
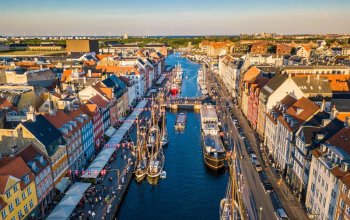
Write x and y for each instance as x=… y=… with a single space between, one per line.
x=261 y=202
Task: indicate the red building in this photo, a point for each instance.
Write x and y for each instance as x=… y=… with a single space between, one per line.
x=253 y=99
x=94 y=112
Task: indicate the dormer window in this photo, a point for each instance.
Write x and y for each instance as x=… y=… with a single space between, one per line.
x=26 y=179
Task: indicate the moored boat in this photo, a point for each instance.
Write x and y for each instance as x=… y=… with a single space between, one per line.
x=180 y=123
x=214 y=153
x=178 y=73
x=174 y=89
x=142 y=161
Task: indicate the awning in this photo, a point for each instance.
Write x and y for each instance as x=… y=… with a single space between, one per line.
x=102 y=158
x=110 y=131
x=63 y=184
x=67 y=205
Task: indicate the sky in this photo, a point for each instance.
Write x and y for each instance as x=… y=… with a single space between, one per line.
x=172 y=17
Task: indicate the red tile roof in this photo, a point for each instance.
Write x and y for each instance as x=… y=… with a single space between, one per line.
x=29 y=153
x=15 y=166
x=3 y=182
x=99 y=101
x=341 y=139
x=90 y=109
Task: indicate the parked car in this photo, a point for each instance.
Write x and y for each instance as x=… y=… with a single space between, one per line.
x=253 y=158
x=258 y=166
x=267 y=187
x=281 y=214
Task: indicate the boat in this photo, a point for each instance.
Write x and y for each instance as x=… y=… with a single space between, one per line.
x=156 y=162
x=178 y=73
x=141 y=160
x=174 y=89
x=231 y=206
x=180 y=123
x=164 y=137
x=162 y=121
x=214 y=153
x=163 y=175
x=201 y=80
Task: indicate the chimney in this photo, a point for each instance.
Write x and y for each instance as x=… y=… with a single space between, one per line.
x=31 y=114
x=308 y=79
x=347 y=122
x=323 y=105
x=334 y=113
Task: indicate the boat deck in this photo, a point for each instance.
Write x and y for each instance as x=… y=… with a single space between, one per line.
x=214 y=142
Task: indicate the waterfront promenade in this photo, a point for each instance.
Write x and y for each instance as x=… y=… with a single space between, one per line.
x=110 y=173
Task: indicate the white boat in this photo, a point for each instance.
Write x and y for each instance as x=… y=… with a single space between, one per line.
x=163 y=175
x=178 y=73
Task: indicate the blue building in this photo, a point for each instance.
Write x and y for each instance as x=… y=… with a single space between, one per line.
x=87 y=134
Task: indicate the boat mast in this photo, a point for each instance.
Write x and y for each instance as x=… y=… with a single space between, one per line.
x=233 y=181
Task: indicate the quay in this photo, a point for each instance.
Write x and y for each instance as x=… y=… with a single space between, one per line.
x=109 y=175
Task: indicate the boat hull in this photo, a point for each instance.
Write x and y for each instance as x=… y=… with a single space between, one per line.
x=140 y=175
x=174 y=91
x=213 y=163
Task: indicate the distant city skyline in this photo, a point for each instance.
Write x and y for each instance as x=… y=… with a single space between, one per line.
x=178 y=17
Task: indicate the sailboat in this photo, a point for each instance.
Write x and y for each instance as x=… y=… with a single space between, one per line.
x=142 y=161
x=157 y=159
x=164 y=132
x=230 y=206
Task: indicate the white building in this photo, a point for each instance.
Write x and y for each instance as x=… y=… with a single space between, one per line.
x=329 y=163
x=229 y=71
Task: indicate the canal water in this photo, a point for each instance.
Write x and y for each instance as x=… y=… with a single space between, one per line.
x=190 y=191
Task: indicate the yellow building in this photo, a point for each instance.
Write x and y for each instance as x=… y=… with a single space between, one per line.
x=17 y=189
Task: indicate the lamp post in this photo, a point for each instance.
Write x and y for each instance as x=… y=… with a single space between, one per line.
x=260 y=211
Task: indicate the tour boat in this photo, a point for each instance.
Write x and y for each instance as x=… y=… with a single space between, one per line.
x=180 y=123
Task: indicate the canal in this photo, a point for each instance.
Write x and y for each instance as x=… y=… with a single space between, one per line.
x=190 y=191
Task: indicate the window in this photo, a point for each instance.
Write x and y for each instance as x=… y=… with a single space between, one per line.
x=344 y=188
x=24 y=195
x=3 y=214
x=8 y=194
x=31 y=203
x=26 y=178
x=29 y=190
x=11 y=207
x=348 y=210
x=26 y=208
x=15 y=188
x=342 y=204
x=17 y=201
x=20 y=215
